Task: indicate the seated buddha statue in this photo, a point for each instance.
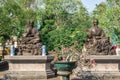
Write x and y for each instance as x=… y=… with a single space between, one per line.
x=97 y=42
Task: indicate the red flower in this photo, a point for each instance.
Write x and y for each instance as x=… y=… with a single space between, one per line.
x=64 y=50
x=115 y=47
x=92 y=60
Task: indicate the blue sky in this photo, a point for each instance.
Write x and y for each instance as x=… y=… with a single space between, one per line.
x=90 y=4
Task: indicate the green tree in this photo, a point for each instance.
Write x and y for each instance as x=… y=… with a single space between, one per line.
x=63 y=23
x=14 y=16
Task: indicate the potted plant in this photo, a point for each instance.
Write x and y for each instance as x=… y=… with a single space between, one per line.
x=65 y=62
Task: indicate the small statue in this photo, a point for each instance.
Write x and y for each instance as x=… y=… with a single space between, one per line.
x=30 y=43
x=31 y=32
x=95 y=31
x=28 y=29
x=96 y=42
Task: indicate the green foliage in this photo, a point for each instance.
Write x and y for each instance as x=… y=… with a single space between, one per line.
x=1 y=39
x=14 y=17
x=62 y=21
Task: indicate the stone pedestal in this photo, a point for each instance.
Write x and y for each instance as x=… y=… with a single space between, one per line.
x=107 y=67
x=105 y=63
x=29 y=67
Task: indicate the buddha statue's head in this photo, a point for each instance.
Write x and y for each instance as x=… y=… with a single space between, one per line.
x=95 y=22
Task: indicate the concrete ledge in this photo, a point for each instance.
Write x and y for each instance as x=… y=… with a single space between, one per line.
x=107 y=68
x=105 y=63
x=104 y=57
x=28 y=58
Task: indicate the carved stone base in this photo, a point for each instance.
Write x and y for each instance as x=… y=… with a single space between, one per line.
x=105 y=63
x=29 y=68
x=107 y=68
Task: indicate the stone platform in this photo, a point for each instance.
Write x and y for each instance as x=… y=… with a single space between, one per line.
x=106 y=63
x=29 y=68
x=107 y=67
